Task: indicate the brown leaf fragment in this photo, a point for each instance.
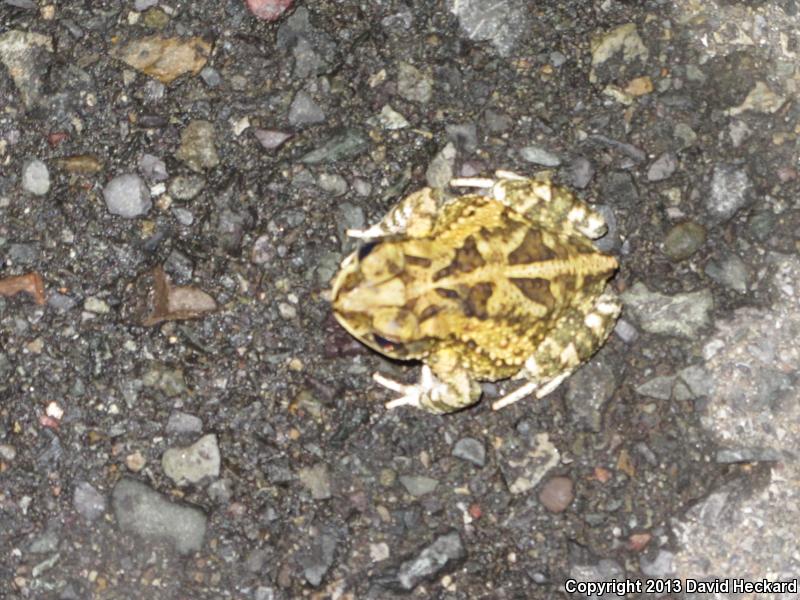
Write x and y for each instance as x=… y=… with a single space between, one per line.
x=82 y=164
x=166 y=59
x=157 y=300
x=31 y=283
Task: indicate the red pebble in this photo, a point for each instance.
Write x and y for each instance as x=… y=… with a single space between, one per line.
x=268 y=10
x=475 y=511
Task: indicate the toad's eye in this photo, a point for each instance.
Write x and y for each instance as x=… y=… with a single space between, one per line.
x=365 y=249
x=383 y=342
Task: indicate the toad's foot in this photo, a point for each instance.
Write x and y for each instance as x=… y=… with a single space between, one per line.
x=430 y=393
x=529 y=388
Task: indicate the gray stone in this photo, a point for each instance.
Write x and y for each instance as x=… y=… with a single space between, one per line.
x=180 y=422
x=192 y=464
x=680 y=315
x=659 y=387
x=730 y=191
x=440 y=169
x=332 y=183
x=588 y=390
x=36 y=177
x=317 y=480
x=418 y=485
x=663 y=167
x=343 y=146
x=304 y=111
x=432 y=560
x=390 y=119
x=186 y=187
x=26 y=55
x=539 y=156
x=153 y=167
x=317 y=562
x=142 y=511
x=413 y=84
x=683 y=240
x=502 y=23
x=471 y=450
x=127 y=196
x=579 y=172
x=731 y=272
x=87 y=501
x=210 y=76
x=463 y=135
x=22 y=253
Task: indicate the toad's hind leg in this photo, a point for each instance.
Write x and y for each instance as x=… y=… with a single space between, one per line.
x=552 y=206
x=414 y=216
x=572 y=341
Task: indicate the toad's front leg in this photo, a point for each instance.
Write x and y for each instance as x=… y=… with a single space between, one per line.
x=439 y=390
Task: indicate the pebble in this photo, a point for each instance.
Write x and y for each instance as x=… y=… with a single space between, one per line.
x=444 y=551
x=198 y=149
x=580 y=172
x=271 y=139
x=730 y=191
x=180 y=423
x=418 y=485
x=318 y=561
x=142 y=511
x=731 y=272
x=153 y=168
x=7 y=452
x=539 y=156
x=143 y=5
x=463 y=135
x=413 y=84
x=390 y=119
x=210 y=76
x=220 y=491
x=332 y=183
x=440 y=169
x=524 y=464
x=471 y=450
x=186 y=187
x=192 y=464
x=87 y=501
x=663 y=167
x=343 y=146
x=588 y=391
x=304 y=111
x=317 y=480
x=683 y=240
x=557 y=494
x=127 y=196
x=96 y=306
x=36 y=178
x=164 y=58
x=680 y=315
x=268 y=10
x=21 y=53
x=502 y=23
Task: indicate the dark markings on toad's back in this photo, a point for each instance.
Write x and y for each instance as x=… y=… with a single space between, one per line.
x=447 y=293
x=466 y=259
x=537 y=290
x=531 y=249
x=477 y=300
x=430 y=311
x=418 y=261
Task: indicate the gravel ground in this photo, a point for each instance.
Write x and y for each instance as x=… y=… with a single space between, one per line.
x=180 y=415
